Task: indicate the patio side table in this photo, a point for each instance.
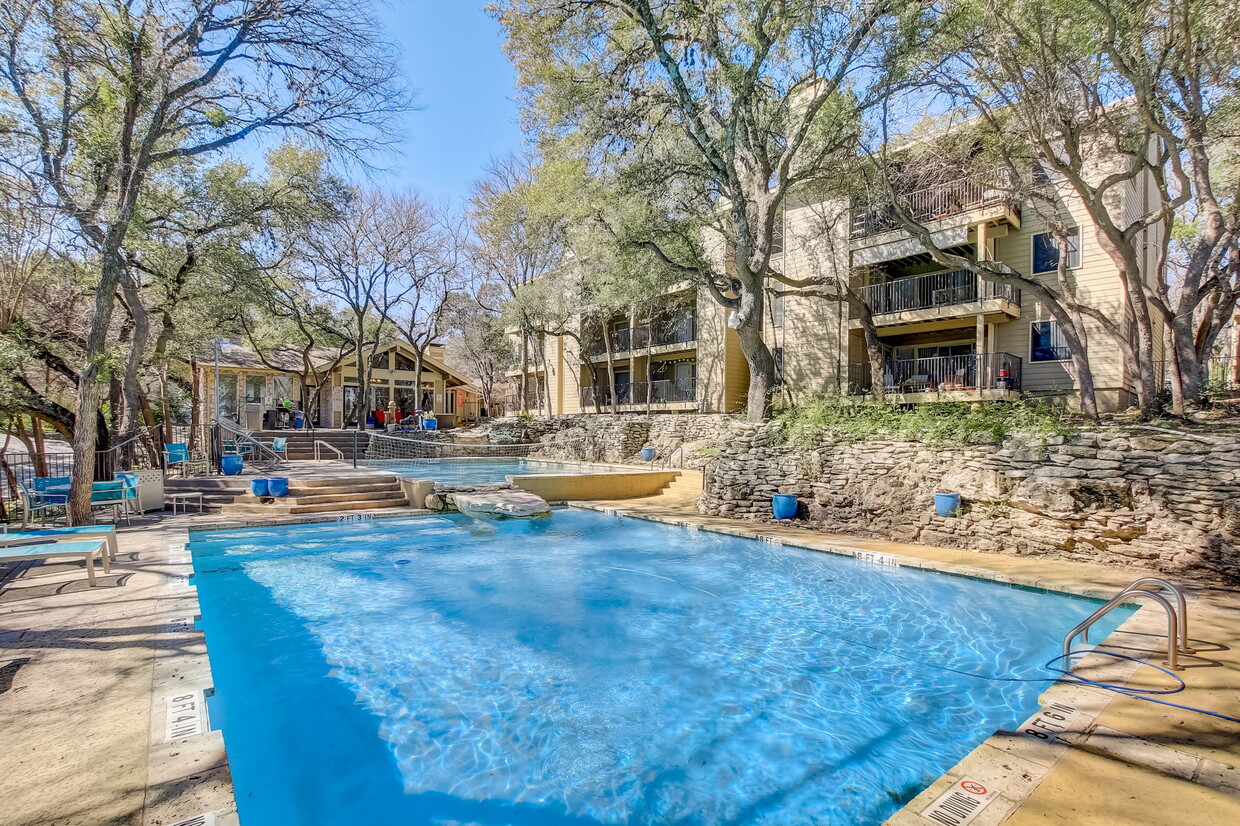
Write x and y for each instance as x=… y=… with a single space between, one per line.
x=183 y=497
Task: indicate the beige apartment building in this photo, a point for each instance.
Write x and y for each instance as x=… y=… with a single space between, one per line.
x=946 y=335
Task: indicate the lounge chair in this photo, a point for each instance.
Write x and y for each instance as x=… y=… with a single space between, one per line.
x=105 y=532
x=84 y=550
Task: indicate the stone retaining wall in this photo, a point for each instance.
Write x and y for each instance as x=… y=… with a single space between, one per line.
x=605 y=438
x=1158 y=499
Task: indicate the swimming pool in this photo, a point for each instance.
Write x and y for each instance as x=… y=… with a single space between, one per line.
x=478 y=471
x=593 y=669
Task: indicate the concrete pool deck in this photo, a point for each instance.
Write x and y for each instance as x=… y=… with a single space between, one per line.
x=86 y=676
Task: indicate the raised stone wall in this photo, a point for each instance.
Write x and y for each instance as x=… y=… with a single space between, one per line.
x=605 y=438
x=1158 y=499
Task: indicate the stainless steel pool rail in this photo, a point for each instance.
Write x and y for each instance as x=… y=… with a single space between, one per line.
x=1177 y=617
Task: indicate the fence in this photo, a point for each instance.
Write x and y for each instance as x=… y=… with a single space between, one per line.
x=677 y=329
x=992 y=371
x=940 y=289
x=1222 y=376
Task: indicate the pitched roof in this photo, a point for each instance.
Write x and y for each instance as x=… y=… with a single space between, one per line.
x=281 y=357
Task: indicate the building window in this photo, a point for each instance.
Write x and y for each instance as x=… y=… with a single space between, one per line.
x=254 y=389
x=777 y=310
x=1047 y=342
x=1046 y=251
x=777 y=353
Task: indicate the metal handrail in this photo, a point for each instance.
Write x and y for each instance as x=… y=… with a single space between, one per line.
x=1177 y=620
x=273 y=458
x=329 y=446
x=667 y=460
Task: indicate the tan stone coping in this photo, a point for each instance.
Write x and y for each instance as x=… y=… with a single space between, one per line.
x=1111 y=759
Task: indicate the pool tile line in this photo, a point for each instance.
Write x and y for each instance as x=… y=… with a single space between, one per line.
x=187 y=769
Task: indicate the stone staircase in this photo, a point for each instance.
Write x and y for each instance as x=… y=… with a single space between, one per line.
x=231 y=494
x=686 y=486
x=301 y=443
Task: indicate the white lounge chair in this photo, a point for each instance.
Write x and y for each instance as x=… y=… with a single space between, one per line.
x=50 y=550
x=105 y=532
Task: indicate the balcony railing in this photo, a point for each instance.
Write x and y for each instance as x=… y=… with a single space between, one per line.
x=992 y=371
x=930 y=203
x=681 y=329
x=939 y=289
x=640 y=393
x=1221 y=374
x=514 y=402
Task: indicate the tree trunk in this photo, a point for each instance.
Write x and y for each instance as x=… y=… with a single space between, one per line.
x=131 y=412
x=90 y=387
x=761 y=368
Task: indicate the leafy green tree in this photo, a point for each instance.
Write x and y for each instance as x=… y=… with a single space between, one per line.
x=710 y=113
x=102 y=94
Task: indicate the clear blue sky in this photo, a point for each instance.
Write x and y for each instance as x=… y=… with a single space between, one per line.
x=452 y=56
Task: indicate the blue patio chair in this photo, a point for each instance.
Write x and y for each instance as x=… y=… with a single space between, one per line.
x=132 y=485
x=37 y=497
x=280 y=446
x=112 y=495
x=177 y=455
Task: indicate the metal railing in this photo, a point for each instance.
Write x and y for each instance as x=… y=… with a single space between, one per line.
x=244 y=437
x=939 y=289
x=641 y=393
x=1177 y=617
x=514 y=402
x=1222 y=375
x=992 y=371
x=932 y=202
x=319 y=444
x=678 y=329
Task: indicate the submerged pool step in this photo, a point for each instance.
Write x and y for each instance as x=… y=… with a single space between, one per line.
x=284 y=508
x=303 y=498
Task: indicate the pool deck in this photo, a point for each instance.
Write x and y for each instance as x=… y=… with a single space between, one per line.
x=88 y=677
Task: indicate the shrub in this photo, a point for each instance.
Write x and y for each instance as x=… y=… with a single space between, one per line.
x=935 y=423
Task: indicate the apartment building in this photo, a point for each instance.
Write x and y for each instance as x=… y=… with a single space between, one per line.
x=946 y=335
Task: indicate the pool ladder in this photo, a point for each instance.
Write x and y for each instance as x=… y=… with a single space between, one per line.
x=1177 y=617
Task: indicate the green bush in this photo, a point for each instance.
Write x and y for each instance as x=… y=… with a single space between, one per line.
x=936 y=423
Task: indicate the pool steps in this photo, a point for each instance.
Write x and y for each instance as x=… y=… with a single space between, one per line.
x=222 y=494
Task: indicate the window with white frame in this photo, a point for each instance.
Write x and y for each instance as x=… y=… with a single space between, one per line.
x=1047 y=342
x=1046 y=251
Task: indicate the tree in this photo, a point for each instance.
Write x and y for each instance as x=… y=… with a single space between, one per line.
x=476 y=345
x=712 y=114
x=1130 y=107
x=102 y=93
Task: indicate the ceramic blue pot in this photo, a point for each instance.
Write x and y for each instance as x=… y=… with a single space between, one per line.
x=648 y=454
x=278 y=486
x=231 y=464
x=784 y=506
x=430 y=424
x=947 y=504
x=258 y=487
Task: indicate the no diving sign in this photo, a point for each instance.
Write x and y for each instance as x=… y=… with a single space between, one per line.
x=959 y=804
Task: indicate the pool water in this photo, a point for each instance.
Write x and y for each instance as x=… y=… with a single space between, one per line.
x=477 y=471
x=593 y=669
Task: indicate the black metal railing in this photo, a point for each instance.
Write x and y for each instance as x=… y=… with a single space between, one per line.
x=640 y=393
x=1221 y=375
x=516 y=402
x=940 y=374
x=931 y=203
x=678 y=329
x=938 y=289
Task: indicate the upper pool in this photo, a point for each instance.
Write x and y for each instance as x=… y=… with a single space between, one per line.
x=593 y=669
x=470 y=471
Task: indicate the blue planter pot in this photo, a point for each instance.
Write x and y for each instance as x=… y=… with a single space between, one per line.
x=784 y=506
x=947 y=504
x=231 y=465
x=648 y=454
x=258 y=487
x=278 y=486
x=430 y=424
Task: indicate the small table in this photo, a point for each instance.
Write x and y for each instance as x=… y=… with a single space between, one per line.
x=183 y=497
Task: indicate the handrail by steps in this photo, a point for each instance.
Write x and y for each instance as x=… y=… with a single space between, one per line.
x=272 y=458
x=1177 y=617
x=329 y=446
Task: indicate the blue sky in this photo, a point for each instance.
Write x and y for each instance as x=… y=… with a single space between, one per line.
x=453 y=57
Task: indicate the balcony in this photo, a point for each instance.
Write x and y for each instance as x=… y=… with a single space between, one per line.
x=936 y=296
x=942 y=378
x=676 y=393
x=677 y=330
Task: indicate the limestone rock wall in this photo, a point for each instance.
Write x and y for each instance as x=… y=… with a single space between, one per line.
x=1152 y=498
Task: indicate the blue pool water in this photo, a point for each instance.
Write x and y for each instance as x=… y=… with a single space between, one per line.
x=593 y=669
x=476 y=471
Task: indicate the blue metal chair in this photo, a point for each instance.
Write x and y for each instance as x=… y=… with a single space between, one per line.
x=132 y=485
x=280 y=445
x=112 y=495
x=177 y=455
x=37 y=498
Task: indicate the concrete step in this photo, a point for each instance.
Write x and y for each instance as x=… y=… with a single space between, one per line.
x=323 y=499
x=361 y=504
